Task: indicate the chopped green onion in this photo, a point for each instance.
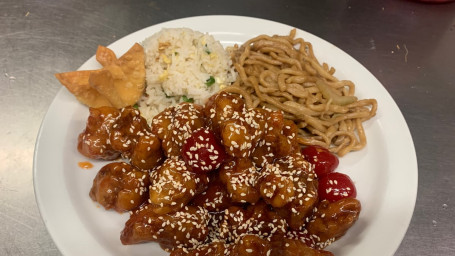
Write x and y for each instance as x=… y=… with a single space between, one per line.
x=136 y=106
x=206 y=49
x=176 y=53
x=186 y=99
x=210 y=81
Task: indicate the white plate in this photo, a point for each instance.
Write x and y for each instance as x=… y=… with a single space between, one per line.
x=385 y=172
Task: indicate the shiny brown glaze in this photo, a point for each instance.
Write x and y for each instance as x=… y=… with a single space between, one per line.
x=332 y=220
x=239 y=176
x=175 y=124
x=120 y=186
x=173 y=186
x=93 y=142
x=111 y=133
x=215 y=198
x=186 y=227
x=262 y=200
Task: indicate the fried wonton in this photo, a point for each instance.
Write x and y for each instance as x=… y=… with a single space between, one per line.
x=77 y=82
x=119 y=83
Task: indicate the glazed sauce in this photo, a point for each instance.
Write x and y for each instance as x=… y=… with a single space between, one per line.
x=85 y=165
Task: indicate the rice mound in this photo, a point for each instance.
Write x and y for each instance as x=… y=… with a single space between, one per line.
x=182 y=65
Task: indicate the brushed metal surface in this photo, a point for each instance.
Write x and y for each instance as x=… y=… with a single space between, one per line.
x=408 y=46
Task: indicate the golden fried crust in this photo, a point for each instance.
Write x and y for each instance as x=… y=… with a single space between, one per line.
x=120 y=83
x=132 y=63
x=123 y=81
x=105 y=56
x=102 y=81
x=77 y=82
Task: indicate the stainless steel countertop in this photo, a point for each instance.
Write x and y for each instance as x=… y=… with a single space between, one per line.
x=407 y=45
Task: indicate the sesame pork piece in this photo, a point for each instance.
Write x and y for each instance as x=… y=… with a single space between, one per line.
x=131 y=132
x=111 y=133
x=258 y=133
x=187 y=227
x=277 y=245
x=173 y=186
x=256 y=120
x=289 y=185
x=284 y=246
x=147 y=153
x=120 y=186
x=217 y=248
x=240 y=176
x=247 y=245
x=279 y=139
x=93 y=142
x=236 y=221
x=215 y=198
x=242 y=134
x=237 y=139
x=222 y=107
x=175 y=124
x=332 y=220
x=240 y=128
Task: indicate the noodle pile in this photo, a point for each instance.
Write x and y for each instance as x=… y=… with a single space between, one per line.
x=281 y=72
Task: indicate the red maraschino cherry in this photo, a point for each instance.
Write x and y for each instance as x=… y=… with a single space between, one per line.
x=322 y=159
x=335 y=186
x=202 y=152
